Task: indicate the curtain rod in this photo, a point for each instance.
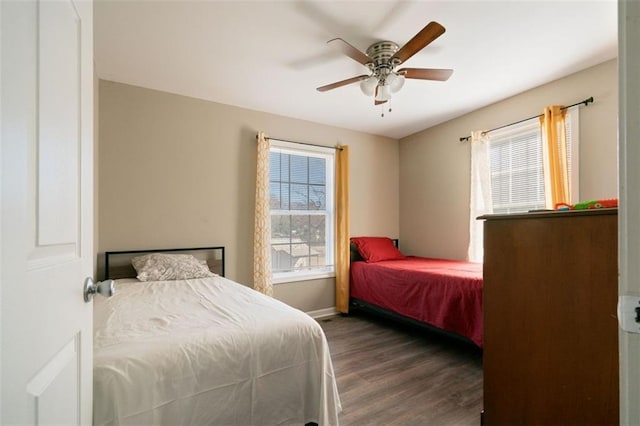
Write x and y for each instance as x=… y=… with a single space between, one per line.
x=305 y=143
x=585 y=102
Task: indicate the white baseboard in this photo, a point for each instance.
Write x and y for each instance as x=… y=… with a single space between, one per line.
x=322 y=313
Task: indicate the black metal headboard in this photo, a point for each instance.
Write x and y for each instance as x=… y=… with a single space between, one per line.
x=117 y=264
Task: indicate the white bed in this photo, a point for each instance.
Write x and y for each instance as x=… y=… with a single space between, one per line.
x=208 y=351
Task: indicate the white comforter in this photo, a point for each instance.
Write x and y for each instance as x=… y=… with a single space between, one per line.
x=208 y=352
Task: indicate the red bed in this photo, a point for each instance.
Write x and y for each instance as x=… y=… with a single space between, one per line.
x=446 y=294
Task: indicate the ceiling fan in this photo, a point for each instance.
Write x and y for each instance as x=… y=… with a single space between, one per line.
x=383 y=57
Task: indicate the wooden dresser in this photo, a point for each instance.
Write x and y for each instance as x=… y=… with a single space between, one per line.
x=550 y=327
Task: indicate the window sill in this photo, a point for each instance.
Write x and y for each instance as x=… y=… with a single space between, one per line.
x=302 y=277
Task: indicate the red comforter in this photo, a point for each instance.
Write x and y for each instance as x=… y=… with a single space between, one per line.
x=444 y=293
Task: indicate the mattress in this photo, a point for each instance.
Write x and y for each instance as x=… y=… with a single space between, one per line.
x=443 y=293
x=208 y=351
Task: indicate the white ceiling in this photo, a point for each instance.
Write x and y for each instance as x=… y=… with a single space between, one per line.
x=271 y=55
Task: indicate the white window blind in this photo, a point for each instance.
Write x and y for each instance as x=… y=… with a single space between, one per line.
x=516 y=163
x=517 y=180
x=302 y=212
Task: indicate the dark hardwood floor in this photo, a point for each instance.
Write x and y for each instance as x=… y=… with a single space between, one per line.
x=393 y=374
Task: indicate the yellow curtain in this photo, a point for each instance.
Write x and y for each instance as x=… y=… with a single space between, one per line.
x=342 y=229
x=262 y=228
x=556 y=166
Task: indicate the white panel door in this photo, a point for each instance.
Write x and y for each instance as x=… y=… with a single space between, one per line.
x=47 y=217
x=629 y=214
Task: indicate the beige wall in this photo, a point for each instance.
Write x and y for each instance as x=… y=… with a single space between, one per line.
x=176 y=171
x=434 y=165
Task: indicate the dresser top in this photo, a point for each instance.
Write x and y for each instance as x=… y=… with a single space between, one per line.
x=551 y=214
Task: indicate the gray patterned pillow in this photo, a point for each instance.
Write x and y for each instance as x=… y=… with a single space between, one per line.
x=164 y=267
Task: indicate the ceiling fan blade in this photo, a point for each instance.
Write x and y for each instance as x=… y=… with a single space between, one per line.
x=341 y=83
x=379 y=102
x=350 y=51
x=432 y=31
x=426 y=73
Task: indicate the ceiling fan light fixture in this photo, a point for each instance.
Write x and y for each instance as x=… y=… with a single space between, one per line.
x=391 y=77
x=368 y=85
x=383 y=94
x=396 y=82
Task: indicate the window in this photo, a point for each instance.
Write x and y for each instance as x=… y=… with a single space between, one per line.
x=516 y=163
x=302 y=215
x=510 y=162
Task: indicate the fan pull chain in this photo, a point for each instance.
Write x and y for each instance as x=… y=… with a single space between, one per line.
x=382 y=109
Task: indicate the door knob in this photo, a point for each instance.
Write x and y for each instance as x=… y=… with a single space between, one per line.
x=105 y=288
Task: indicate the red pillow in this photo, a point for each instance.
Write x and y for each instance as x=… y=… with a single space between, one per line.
x=375 y=249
